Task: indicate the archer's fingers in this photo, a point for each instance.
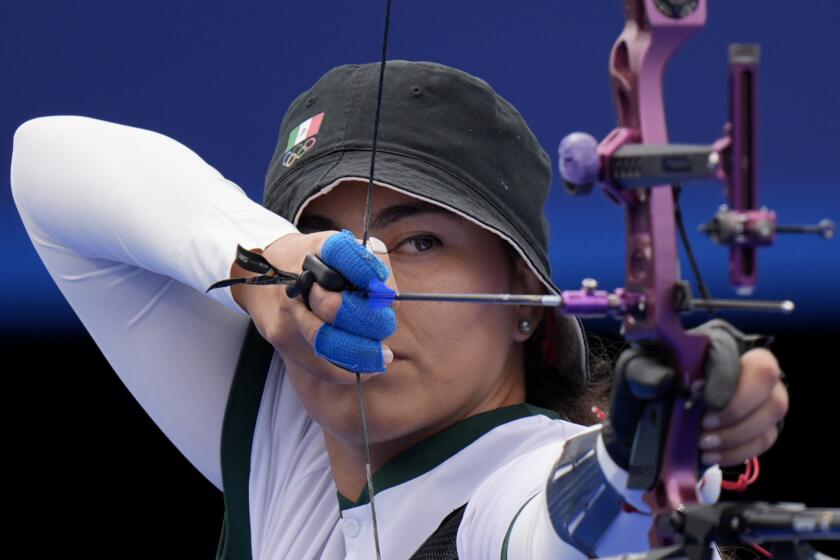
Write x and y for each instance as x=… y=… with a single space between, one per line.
x=352 y=312
x=764 y=418
x=760 y=374
x=351 y=352
x=324 y=303
x=340 y=347
x=737 y=455
x=308 y=325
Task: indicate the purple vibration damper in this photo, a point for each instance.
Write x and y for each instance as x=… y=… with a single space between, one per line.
x=578 y=159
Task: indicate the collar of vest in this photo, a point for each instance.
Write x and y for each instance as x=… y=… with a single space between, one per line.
x=431 y=452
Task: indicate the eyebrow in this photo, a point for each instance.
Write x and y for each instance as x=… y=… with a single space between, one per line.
x=382 y=219
x=393 y=214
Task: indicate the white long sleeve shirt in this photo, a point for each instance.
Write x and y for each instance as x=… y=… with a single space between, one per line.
x=133 y=227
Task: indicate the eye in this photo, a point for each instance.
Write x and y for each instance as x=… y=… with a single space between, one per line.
x=419 y=244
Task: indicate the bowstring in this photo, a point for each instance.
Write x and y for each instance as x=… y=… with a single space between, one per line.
x=365 y=236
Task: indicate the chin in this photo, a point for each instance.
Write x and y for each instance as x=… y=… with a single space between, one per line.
x=398 y=406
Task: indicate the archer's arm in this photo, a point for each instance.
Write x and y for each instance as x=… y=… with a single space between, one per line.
x=133 y=226
x=581 y=504
x=508 y=516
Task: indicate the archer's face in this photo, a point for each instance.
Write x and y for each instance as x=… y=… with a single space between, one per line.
x=451 y=360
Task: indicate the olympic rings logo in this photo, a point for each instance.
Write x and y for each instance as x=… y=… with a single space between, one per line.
x=296 y=152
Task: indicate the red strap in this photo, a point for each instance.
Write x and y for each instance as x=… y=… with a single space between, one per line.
x=744 y=479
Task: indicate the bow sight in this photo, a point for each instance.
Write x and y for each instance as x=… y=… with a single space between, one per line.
x=621 y=164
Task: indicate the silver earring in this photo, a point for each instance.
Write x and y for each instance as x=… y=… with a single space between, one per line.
x=524 y=326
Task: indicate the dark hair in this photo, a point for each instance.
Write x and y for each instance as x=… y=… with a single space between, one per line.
x=549 y=385
x=562 y=391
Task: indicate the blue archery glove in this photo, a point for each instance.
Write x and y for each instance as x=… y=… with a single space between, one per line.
x=354 y=340
x=643 y=389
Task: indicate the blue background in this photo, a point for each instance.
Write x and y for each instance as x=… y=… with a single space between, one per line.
x=218 y=76
x=87 y=463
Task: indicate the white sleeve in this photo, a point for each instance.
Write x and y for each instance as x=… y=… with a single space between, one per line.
x=508 y=516
x=133 y=227
x=514 y=493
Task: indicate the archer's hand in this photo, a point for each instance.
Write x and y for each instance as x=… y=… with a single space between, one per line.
x=745 y=396
x=340 y=327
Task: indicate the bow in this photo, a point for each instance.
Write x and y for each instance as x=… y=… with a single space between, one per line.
x=640 y=170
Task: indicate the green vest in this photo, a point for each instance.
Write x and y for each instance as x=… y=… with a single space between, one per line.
x=238 y=427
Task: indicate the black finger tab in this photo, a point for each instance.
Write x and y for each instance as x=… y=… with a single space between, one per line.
x=328 y=278
x=316 y=271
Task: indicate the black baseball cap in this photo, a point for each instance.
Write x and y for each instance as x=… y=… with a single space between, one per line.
x=445 y=137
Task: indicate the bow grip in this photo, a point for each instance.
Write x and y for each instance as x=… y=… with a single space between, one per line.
x=316 y=271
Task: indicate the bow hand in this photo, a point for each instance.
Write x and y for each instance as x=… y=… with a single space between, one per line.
x=741 y=391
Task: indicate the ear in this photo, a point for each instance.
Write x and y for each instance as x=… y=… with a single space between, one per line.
x=526 y=282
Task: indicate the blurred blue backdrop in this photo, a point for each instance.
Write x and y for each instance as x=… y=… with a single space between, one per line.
x=218 y=76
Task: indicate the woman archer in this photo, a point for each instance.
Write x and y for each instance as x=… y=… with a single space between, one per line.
x=468 y=406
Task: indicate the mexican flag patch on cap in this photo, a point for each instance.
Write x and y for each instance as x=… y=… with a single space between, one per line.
x=304 y=130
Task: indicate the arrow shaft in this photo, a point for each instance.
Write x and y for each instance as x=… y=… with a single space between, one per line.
x=503 y=299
